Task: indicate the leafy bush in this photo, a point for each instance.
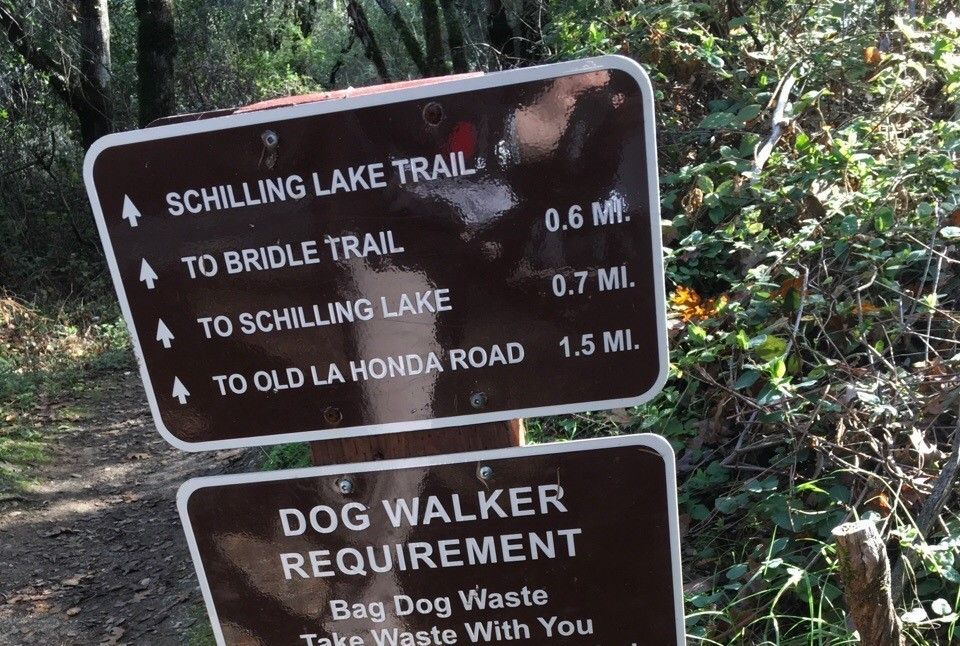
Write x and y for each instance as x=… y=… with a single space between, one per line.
x=815 y=360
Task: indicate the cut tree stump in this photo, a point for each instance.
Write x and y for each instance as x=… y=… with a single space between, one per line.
x=865 y=572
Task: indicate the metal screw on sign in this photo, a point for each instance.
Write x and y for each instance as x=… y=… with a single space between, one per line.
x=270 y=138
x=345 y=485
x=485 y=472
x=478 y=400
x=271 y=141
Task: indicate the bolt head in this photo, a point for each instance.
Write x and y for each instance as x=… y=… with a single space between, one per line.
x=486 y=472
x=478 y=400
x=345 y=485
x=270 y=138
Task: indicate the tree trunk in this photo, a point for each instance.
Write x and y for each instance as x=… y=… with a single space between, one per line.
x=433 y=37
x=93 y=105
x=306 y=12
x=156 y=49
x=458 y=53
x=361 y=27
x=499 y=32
x=533 y=15
x=89 y=95
x=403 y=30
x=865 y=572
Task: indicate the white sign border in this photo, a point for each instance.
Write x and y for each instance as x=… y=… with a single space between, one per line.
x=496 y=79
x=647 y=440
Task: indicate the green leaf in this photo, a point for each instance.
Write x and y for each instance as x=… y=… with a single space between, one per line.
x=742 y=340
x=778 y=546
x=749 y=112
x=699 y=511
x=718 y=120
x=950 y=233
x=768 y=347
x=883 y=219
x=739 y=570
x=728 y=504
x=746 y=380
x=779 y=368
x=729 y=153
x=697 y=332
x=849 y=225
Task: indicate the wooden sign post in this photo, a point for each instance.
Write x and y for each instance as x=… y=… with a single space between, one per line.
x=479 y=437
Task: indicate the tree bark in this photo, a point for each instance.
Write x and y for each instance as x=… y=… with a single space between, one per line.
x=306 y=12
x=95 y=108
x=458 y=53
x=15 y=32
x=156 y=51
x=410 y=42
x=865 y=573
x=499 y=31
x=361 y=27
x=433 y=37
x=89 y=95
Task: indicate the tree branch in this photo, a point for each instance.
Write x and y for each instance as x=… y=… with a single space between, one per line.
x=779 y=120
x=361 y=27
x=403 y=30
x=35 y=57
x=332 y=82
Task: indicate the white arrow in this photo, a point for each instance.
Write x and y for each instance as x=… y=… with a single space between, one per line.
x=164 y=335
x=180 y=391
x=147 y=275
x=130 y=212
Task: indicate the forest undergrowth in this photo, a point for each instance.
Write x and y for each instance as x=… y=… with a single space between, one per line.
x=812 y=197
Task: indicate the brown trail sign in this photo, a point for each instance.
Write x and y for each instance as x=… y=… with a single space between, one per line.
x=467 y=252
x=574 y=543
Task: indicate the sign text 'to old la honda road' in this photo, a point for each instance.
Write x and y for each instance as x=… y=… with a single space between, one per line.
x=463 y=252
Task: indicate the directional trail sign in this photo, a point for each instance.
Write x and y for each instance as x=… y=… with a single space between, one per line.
x=458 y=253
x=574 y=543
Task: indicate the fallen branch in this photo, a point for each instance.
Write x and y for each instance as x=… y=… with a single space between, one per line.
x=778 y=121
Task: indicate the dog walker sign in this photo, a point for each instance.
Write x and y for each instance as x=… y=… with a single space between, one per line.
x=459 y=253
x=572 y=543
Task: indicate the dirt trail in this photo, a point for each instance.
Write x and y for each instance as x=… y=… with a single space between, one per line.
x=95 y=554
